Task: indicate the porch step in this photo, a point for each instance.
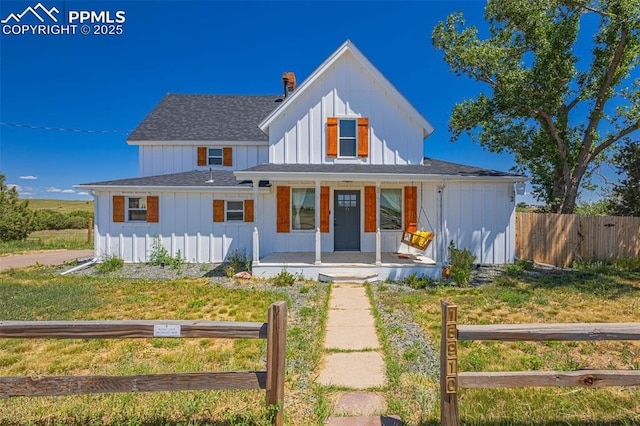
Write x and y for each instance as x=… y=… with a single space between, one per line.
x=346 y=277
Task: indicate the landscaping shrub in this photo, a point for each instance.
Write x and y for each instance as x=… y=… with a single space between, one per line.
x=238 y=260
x=110 y=263
x=417 y=282
x=160 y=255
x=461 y=265
x=283 y=279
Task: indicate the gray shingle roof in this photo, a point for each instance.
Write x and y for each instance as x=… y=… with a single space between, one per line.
x=207 y=118
x=199 y=178
x=430 y=167
x=185 y=179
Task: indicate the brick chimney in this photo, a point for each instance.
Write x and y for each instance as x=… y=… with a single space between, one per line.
x=288 y=83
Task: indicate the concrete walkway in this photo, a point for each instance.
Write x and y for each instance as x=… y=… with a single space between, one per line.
x=353 y=358
x=54 y=257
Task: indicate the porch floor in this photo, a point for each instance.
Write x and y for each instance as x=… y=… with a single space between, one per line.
x=346 y=259
x=347 y=264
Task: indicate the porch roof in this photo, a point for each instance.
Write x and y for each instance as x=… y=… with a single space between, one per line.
x=430 y=170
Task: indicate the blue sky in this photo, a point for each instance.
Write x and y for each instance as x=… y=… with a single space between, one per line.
x=109 y=83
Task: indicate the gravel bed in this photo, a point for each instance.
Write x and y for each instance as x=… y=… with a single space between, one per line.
x=143 y=271
x=409 y=342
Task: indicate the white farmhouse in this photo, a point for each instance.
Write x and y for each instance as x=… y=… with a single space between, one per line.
x=322 y=180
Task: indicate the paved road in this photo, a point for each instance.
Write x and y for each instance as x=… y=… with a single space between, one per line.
x=56 y=257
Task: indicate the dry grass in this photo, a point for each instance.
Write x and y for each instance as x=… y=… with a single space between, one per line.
x=69 y=239
x=61 y=206
x=31 y=295
x=610 y=295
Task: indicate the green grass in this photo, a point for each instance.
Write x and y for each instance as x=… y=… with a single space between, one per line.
x=602 y=294
x=62 y=206
x=37 y=295
x=69 y=239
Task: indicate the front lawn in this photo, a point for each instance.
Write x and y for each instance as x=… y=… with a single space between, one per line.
x=40 y=295
x=597 y=293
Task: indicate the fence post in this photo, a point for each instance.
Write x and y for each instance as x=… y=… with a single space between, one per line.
x=90 y=231
x=276 y=348
x=449 y=365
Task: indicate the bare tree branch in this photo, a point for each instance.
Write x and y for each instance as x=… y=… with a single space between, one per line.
x=604 y=88
x=613 y=139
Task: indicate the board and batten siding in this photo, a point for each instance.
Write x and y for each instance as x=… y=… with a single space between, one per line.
x=346 y=90
x=481 y=217
x=167 y=159
x=185 y=224
x=304 y=241
x=478 y=216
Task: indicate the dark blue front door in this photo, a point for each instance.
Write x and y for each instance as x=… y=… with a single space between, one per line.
x=346 y=231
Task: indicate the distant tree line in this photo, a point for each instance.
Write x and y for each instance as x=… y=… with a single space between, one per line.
x=17 y=221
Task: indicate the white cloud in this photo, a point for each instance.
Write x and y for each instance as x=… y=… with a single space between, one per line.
x=68 y=191
x=83 y=193
x=54 y=189
x=28 y=177
x=13 y=185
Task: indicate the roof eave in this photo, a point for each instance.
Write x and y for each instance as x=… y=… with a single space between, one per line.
x=156 y=188
x=368 y=177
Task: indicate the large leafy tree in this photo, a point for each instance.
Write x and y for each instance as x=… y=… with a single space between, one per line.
x=625 y=200
x=558 y=113
x=16 y=220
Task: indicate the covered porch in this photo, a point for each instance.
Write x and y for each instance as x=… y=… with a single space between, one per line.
x=347 y=266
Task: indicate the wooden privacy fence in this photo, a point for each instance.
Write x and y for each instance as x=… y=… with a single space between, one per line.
x=451 y=380
x=561 y=239
x=271 y=380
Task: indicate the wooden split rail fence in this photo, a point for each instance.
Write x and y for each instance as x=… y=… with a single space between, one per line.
x=451 y=380
x=271 y=380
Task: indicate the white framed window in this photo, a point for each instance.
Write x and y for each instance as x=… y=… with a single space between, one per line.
x=390 y=208
x=303 y=208
x=234 y=211
x=137 y=209
x=347 y=138
x=214 y=156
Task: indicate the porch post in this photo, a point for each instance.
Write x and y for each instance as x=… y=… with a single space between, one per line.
x=378 y=242
x=256 y=237
x=318 y=235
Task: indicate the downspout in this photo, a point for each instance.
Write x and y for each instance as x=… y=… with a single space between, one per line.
x=442 y=245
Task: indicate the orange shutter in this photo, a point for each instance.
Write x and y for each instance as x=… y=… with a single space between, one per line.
x=410 y=208
x=118 y=208
x=324 y=209
x=152 y=209
x=227 y=156
x=248 y=210
x=284 y=209
x=202 y=156
x=332 y=137
x=218 y=210
x=369 y=209
x=363 y=137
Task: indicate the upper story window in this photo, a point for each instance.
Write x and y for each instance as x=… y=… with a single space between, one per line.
x=214 y=157
x=390 y=208
x=303 y=208
x=347 y=140
x=347 y=137
x=137 y=209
